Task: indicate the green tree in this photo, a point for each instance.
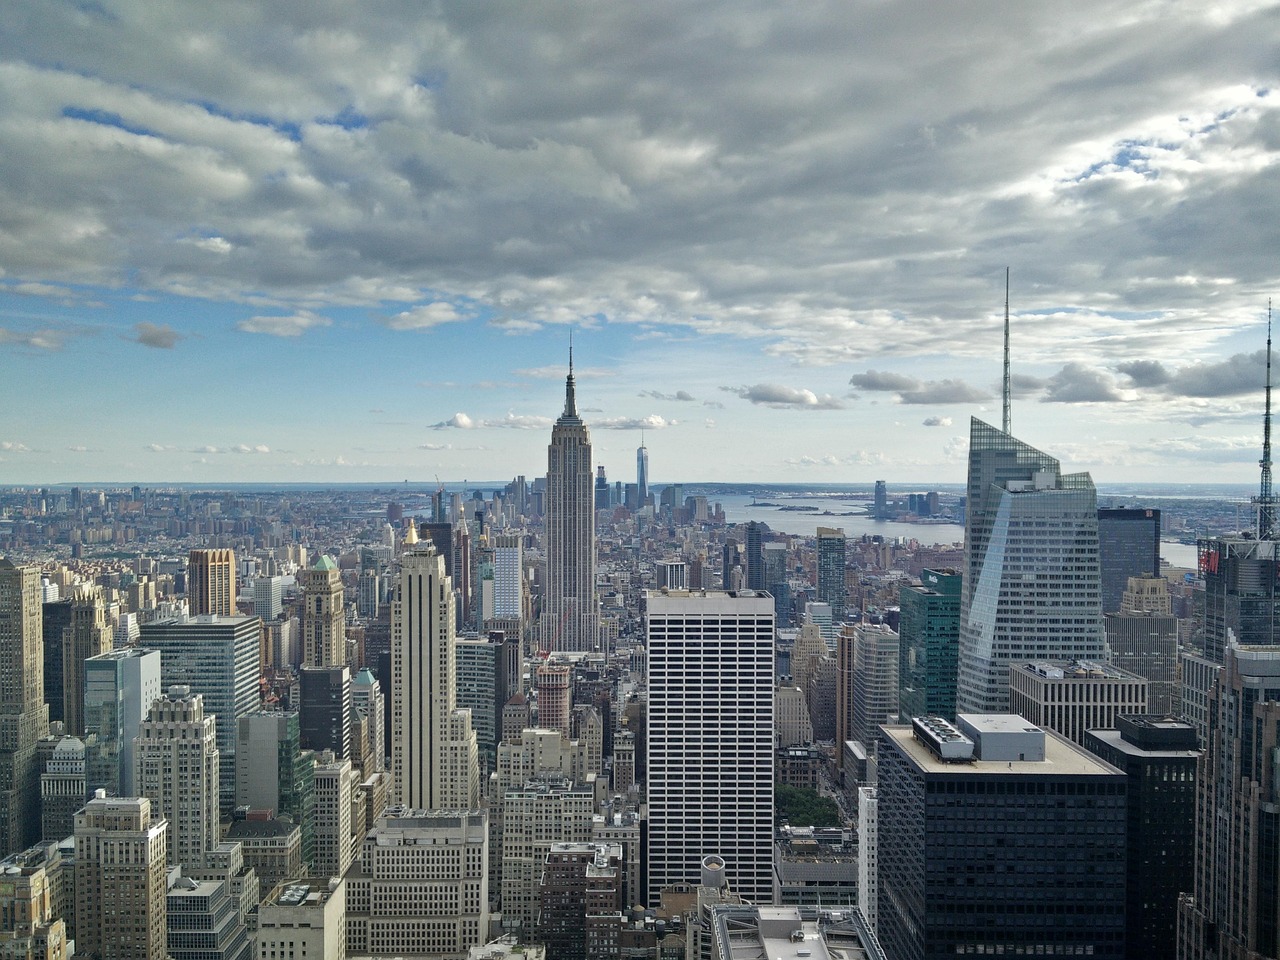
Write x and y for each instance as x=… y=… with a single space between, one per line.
x=802 y=807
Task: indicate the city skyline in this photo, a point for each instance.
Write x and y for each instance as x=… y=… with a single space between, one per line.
x=756 y=220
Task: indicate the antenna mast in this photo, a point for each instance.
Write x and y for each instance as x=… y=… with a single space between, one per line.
x=1266 y=499
x=1006 y=392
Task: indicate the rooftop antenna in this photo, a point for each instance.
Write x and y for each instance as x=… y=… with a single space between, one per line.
x=1006 y=390
x=1266 y=499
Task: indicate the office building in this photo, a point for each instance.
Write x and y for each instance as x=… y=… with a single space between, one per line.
x=724 y=929
x=1128 y=546
x=603 y=497
x=88 y=635
x=508 y=577
x=272 y=847
x=178 y=770
x=268 y=597
x=432 y=860
x=1070 y=697
x=202 y=922
x=119 y=688
x=868 y=855
x=571 y=615
x=306 y=919
x=369 y=592
x=671 y=575
x=368 y=712
x=710 y=738
x=1230 y=911
x=120 y=880
x=218 y=658
x=57 y=618
x=928 y=642
x=642 y=475
x=488 y=675
x=754 y=559
x=62 y=788
x=324 y=708
x=324 y=636
x=335 y=787
x=995 y=837
x=1031 y=586
x=1143 y=639
x=434 y=756
x=831 y=563
x=24 y=717
x=1159 y=756
x=31 y=922
x=274 y=773
x=867 y=694
x=1240 y=596
x=211 y=583
x=554 y=692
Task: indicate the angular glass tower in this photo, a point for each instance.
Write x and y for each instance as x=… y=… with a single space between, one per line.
x=1032 y=583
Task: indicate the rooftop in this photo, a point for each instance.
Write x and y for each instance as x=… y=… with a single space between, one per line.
x=1061 y=758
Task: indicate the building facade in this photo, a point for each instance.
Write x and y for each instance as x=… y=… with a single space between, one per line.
x=324 y=636
x=928 y=645
x=24 y=717
x=211 y=582
x=1070 y=697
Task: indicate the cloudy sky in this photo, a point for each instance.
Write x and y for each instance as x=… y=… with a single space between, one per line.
x=260 y=240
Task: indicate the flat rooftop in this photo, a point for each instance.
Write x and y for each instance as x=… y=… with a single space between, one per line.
x=1061 y=758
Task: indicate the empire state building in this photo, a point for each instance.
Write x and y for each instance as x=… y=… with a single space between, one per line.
x=570 y=614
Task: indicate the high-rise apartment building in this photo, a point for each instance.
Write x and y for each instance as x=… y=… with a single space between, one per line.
x=928 y=641
x=178 y=771
x=831 y=562
x=571 y=615
x=24 y=717
x=871 y=687
x=997 y=838
x=119 y=688
x=120 y=880
x=218 y=658
x=211 y=582
x=1128 y=546
x=1031 y=588
x=434 y=758
x=710 y=738
x=324 y=636
x=88 y=635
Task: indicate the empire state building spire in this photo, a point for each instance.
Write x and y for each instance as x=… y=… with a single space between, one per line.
x=570 y=403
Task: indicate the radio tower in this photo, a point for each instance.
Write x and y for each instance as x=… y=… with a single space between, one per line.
x=1005 y=422
x=1266 y=500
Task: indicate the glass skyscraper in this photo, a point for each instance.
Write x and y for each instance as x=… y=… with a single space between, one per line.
x=1032 y=587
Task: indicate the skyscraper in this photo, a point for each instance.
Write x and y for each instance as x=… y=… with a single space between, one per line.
x=642 y=474
x=433 y=746
x=1128 y=546
x=571 y=617
x=87 y=636
x=929 y=632
x=178 y=771
x=24 y=718
x=710 y=739
x=755 y=555
x=119 y=688
x=324 y=638
x=831 y=560
x=211 y=582
x=274 y=773
x=1031 y=589
x=508 y=577
x=120 y=880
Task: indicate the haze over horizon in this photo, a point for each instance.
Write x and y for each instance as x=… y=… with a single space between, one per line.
x=264 y=242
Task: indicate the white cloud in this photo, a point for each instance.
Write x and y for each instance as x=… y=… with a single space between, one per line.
x=294 y=325
x=782 y=397
x=424 y=317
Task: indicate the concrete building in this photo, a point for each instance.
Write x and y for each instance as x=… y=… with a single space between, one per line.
x=738 y=931
x=202 y=922
x=928 y=645
x=554 y=695
x=570 y=612
x=368 y=709
x=872 y=690
x=179 y=771
x=268 y=598
x=1031 y=585
x=218 y=658
x=324 y=636
x=488 y=675
x=335 y=786
x=434 y=861
x=710 y=725
x=815 y=868
x=62 y=789
x=307 y=918
x=119 y=688
x=270 y=846
x=24 y=717
x=31 y=922
x=1128 y=546
x=435 y=762
x=580 y=901
x=1159 y=756
x=995 y=836
x=120 y=880
x=1071 y=697
x=211 y=583
x=508 y=578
